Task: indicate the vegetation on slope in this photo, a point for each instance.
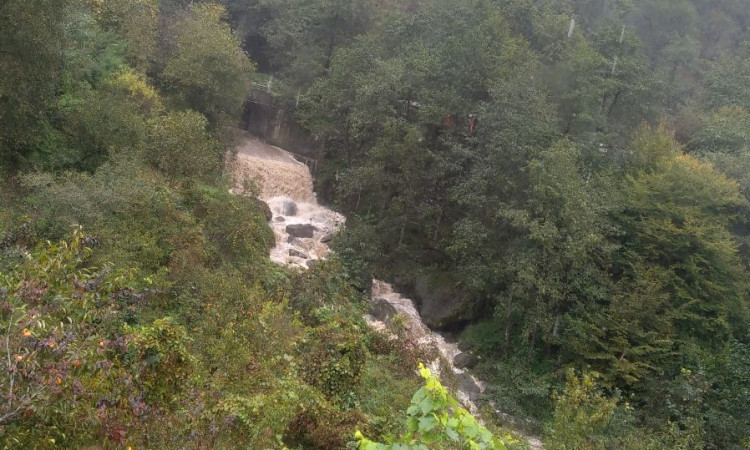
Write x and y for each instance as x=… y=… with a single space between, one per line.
x=575 y=168
x=138 y=303
x=585 y=183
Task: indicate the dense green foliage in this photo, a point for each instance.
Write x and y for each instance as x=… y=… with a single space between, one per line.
x=138 y=303
x=586 y=182
x=578 y=169
x=437 y=420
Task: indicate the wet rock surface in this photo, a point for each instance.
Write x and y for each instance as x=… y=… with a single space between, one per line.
x=381 y=309
x=301 y=230
x=469 y=386
x=465 y=361
x=441 y=304
x=289 y=208
x=263 y=207
x=298 y=254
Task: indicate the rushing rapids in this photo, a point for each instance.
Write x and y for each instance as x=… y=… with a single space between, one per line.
x=303 y=227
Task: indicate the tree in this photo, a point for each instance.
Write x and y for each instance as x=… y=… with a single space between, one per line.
x=208 y=72
x=603 y=82
x=104 y=122
x=556 y=248
x=402 y=97
x=32 y=46
x=180 y=145
x=727 y=82
x=726 y=131
x=664 y=22
x=135 y=23
x=675 y=216
x=303 y=34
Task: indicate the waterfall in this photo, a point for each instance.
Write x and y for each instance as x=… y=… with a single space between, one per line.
x=286 y=185
x=303 y=228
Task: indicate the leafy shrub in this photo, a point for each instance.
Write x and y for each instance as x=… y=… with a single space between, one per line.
x=386 y=387
x=436 y=420
x=333 y=360
x=483 y=336
x=727 y=425
x=164 y=362
x=235 y=225
x=323 y=428
x=581 y=412
x=518 y=389
x=325 y=290
x=65 y=346
x=124 y=204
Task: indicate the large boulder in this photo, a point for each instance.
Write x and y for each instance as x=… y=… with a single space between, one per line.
x=263 y=206
x=288 y=208
x=465 y=361
x=442 y=304
x=381 y=309
x=468 y=386
x=301 y=230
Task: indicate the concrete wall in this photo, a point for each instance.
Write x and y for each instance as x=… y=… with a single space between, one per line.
x=264 y=119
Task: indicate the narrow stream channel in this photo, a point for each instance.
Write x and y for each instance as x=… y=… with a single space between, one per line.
x=303 y=229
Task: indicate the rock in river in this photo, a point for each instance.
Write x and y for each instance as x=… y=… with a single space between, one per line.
x=301 y=230
x=298 y=254
x=468 y=386
x=288 y=208
x=465 y=361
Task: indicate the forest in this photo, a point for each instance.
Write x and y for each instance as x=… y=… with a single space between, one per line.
x=561 y=185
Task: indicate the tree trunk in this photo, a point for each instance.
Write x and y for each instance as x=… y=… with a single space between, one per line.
x=437 y=226
x=614 y=103
x=401 y=235
x=507 y=322
x=556 y=328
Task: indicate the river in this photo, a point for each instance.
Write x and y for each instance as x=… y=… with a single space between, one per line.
x=303 y=228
